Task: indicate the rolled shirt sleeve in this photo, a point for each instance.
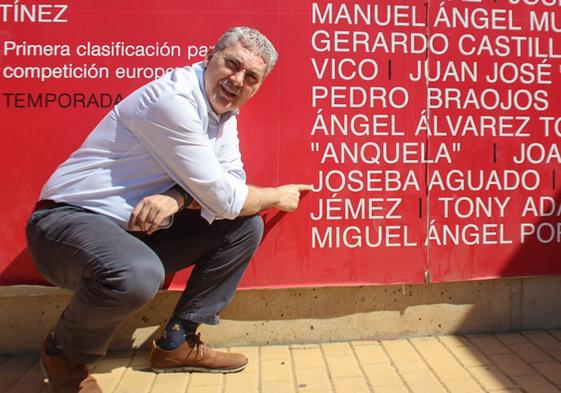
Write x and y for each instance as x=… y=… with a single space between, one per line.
x=229 y=154
x=172 y=130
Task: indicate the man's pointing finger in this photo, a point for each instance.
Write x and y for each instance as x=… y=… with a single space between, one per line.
x=304 y=187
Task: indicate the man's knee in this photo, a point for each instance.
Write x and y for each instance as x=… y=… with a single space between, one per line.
x=253 y=227
x=137 y=284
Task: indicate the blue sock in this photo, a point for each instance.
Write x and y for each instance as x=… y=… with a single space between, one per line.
x=175 y=333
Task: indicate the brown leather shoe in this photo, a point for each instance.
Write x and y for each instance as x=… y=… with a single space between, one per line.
x=194 y=356
x=66 y=376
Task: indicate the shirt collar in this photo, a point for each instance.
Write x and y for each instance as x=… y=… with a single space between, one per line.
x=200 y=71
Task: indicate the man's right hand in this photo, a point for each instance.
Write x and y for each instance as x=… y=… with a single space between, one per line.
x=289 y=196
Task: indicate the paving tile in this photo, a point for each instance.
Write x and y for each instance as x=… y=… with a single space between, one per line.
x=544 y=340
x=404 y=357
x=380 y=375
x=140 y=360
x=275 y=352
x=113 y=363
x=14 y=368
x=275 y=370
x=401 y=349
x=550 y=370
x=491 y=378
x=469 y=355
x=170 y=382
x=512 y=365
x=391 y=389
x=530 y=352
x=489 y=345
x=421 y=381
x=233 y=382
x=454 y=341
x=406 y=365
x=555 y=333
x=277 y=387
x=108 y=384
x=307 y=357
x=312 y=379
x=556 y=355
x=138 y=377
x=204 y=389
x=432 y=349
x=32 y=381
x=343 y=366
x=463 y=386
x=351 y=385
x=371 y=354
x=511 y=338
x=135 y=381
x=448 y=370
x=205 y=380
x=109 y=370
x=535 y=383
x=305 y=390
x=337 y=349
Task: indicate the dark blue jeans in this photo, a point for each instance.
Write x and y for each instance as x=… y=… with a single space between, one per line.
x=113 y=272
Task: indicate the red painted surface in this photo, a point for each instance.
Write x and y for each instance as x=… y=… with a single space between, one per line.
x=277 y=141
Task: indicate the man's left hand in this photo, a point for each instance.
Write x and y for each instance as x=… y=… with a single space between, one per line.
x=151 y=211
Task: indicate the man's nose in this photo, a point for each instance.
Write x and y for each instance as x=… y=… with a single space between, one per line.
x=237 y=77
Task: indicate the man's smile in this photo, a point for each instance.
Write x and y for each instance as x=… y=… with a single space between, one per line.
x=228 y=91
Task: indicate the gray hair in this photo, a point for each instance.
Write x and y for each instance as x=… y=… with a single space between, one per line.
x=252 y=40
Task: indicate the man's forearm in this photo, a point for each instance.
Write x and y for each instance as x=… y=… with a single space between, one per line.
x=284 y=198
x=259 y=199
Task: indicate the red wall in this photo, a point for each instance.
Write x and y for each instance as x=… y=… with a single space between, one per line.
x=402 y=211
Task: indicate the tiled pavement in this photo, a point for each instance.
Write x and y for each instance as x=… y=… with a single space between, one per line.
x=517 y=362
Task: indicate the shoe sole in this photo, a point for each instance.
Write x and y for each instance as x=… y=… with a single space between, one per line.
x=189 y=369
x=193 y=369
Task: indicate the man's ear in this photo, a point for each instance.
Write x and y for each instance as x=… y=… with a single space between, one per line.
x=209 y=56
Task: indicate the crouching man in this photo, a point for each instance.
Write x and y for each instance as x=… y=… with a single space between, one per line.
x=157 y=186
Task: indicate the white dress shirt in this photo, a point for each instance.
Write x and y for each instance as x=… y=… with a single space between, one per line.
x=164 y=133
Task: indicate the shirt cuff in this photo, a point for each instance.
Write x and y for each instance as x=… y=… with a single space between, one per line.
x=207 y=215
x=241 y=195
x=242 y=190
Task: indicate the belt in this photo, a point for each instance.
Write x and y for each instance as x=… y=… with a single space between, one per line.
x=48 y=204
